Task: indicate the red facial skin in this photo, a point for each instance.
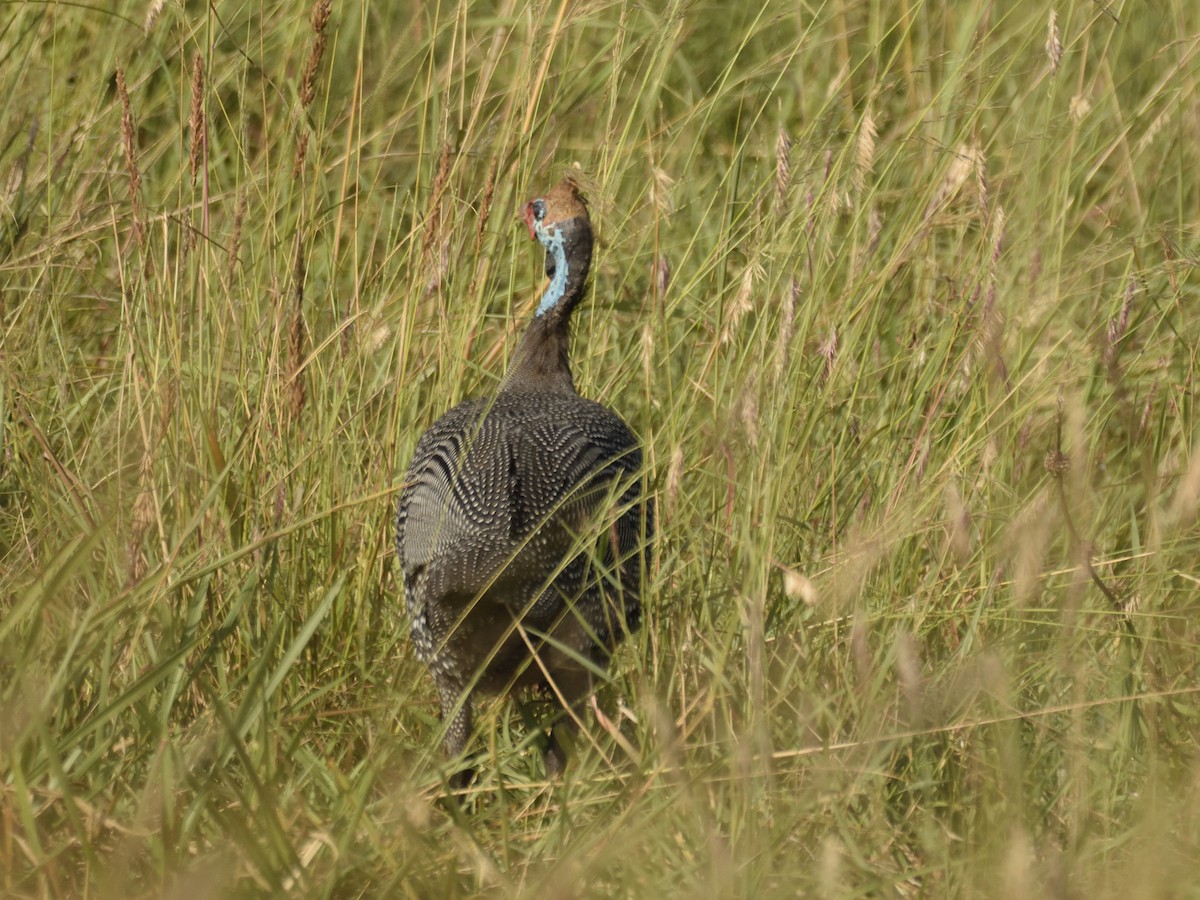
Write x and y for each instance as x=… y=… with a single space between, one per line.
x=527 y=215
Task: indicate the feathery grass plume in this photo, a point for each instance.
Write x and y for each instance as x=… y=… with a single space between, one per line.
x=1115 y=331
x=153 y=11
x=1080 y=107
x=864 y=151
x=1147 y=409
x=787 y=326
x=799 y=587
x=828 y=350
x=1156 y=126
x=235 y=238
x=660 y=276
x=1054 y=45
x=435 y=247
x=874 y=228
x=129 y=142
x=320 y=19
x=965 y=162
x=648 y=355
x=783 y=171
x=958 y=524
x=674 y=476
x=982 y=192
x=743 y=300
x=660 y=191
x=747 y=413
x=990 y=330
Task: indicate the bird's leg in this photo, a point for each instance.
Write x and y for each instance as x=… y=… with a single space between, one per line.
x=572 y=686
x=554 y=757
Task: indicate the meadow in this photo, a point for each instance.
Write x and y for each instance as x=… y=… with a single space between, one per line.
x=902 y=298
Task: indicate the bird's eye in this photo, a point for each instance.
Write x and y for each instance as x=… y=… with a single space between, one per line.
x=539 y=209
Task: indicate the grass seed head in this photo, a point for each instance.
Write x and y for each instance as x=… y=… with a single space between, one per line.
x=1054 y=45
x=129 y=142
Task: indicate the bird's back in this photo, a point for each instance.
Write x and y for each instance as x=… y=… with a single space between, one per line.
x=498 y=497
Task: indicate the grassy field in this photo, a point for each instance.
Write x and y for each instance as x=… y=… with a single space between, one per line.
x=902 y=298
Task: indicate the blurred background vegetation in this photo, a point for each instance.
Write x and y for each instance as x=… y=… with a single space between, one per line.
x=902 y=298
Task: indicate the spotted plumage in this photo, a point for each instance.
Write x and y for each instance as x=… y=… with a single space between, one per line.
x=522 y=532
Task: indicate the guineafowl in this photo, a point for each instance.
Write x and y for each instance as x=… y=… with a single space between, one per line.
x=521 y=531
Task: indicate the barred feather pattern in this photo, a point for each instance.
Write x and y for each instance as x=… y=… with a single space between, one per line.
x=491 y=532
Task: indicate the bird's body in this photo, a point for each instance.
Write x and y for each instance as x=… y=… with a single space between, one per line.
x=521 y=531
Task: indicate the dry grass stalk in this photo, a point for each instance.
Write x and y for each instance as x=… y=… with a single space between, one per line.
x=235 y=239
x=129 y=141
x=485 y=204
x=301 y=154
x=308 y=80
x=1054 y=45
x=198 y=149
x=197 y=123
x=296 y=391
x=434 y=241
x=320 y=19
x=783 y=171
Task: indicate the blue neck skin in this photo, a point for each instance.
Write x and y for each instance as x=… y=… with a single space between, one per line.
x=552 y=240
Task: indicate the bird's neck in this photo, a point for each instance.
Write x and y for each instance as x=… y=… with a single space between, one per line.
x=542 y=361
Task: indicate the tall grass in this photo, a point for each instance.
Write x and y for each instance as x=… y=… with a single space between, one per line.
x=901 y=298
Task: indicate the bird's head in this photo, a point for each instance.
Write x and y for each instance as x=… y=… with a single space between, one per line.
x=560 y=215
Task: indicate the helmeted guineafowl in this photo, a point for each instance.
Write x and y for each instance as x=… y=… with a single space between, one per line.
x=521 y=530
